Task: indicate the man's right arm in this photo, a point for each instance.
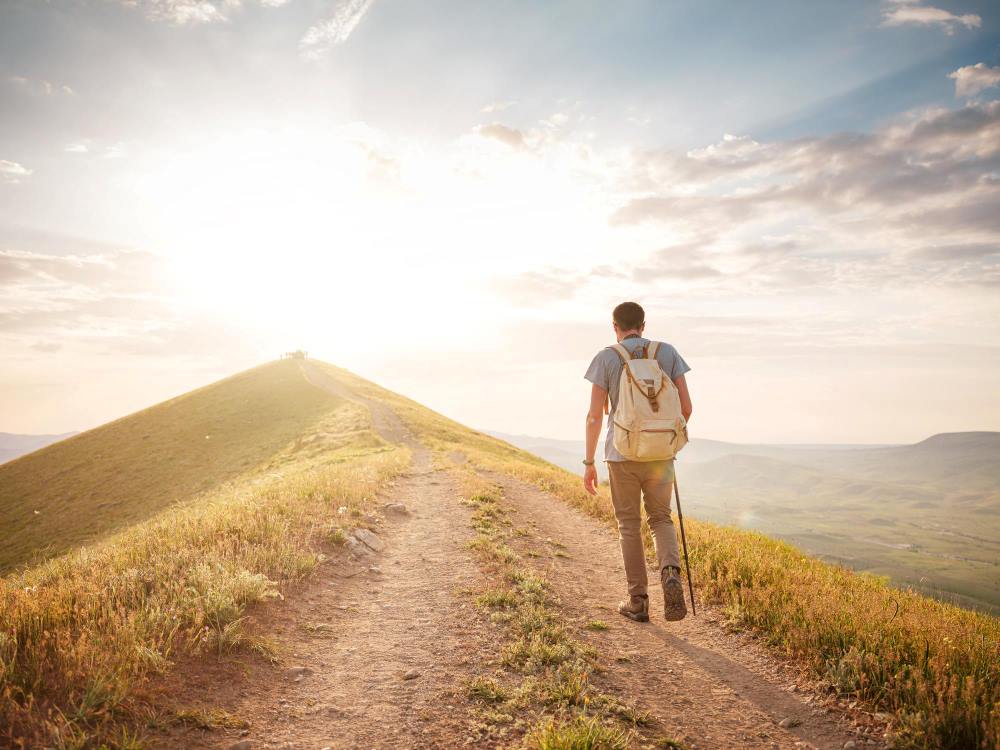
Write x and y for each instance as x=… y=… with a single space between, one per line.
x=595 y=420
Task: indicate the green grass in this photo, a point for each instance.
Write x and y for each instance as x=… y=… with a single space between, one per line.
x=578 y=733
x=546 y=670
x=80 y=489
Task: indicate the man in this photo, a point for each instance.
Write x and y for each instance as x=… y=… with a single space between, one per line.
x=630 y=480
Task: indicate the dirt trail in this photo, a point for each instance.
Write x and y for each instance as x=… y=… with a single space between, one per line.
x=375 y=651
x=709 y=688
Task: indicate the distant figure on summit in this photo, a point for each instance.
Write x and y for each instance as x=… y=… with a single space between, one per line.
x=648 y=377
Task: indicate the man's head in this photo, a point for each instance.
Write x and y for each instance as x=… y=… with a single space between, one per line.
x=628 y=317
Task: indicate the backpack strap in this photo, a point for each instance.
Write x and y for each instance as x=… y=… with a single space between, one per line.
x=622 y=353
x=653 y=349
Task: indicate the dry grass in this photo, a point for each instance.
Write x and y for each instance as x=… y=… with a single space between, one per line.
x=80 y=489
x=81 y=633
x=934 y=667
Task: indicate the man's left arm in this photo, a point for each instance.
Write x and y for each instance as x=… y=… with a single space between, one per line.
x=682 y=392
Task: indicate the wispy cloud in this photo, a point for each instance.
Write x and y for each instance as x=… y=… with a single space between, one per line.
x=493 y=107
x=12 y=172
x=913 y=12
x=326 y=34
x=972 y=79
x=183 y=12
x=911 y=205
x=39 y=87
x=193 y=12
x=498 y=132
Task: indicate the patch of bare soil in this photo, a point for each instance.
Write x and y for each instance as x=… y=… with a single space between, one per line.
x=705 y=686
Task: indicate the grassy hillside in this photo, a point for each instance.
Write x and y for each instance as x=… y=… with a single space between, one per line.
x=81 y=633
x=80 y=489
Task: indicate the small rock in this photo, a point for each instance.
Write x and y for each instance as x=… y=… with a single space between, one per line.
x=411 y=675
x=357 y=549
x=370 y=539
x=788 y=722
x=397 y=508
x=375 y=569
x=241 y=745
x=792 y=688
x=297 y=673
x=850 y=745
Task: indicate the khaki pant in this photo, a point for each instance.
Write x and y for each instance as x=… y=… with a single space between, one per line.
x=653 y=481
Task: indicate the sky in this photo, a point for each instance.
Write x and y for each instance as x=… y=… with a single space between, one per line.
x=449 y=198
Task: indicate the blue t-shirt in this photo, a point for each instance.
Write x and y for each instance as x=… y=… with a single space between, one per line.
x=606 y=369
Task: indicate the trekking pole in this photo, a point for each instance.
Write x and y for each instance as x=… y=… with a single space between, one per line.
x=680 y=518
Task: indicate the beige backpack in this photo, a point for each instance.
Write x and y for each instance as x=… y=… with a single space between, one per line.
x=649 y=425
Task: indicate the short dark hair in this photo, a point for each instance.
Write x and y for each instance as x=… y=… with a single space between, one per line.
x=629 y=315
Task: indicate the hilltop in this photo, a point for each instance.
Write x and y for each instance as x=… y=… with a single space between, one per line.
x=355 y=570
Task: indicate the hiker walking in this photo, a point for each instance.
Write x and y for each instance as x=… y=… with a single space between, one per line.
x=647 y=425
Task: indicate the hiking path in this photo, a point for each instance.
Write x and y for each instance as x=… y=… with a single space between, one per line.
x=375 y=649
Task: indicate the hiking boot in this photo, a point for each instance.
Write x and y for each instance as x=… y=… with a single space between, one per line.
x=635 y=608
x=674 y=607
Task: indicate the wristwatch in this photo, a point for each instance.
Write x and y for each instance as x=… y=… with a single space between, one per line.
x=588 y=463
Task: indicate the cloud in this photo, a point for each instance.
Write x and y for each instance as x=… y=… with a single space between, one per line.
x=110 y=300
x=46 y=347
x=940 y=153
x=510 y=136
x=497 y=107
x=80 y=147
x=912 y=205
x=324 y=35
x=537 y=288
x=39 y=87
x=973 y=251
x=912 y=12
x=972 y=79
x=11 y=172
x=184 y=12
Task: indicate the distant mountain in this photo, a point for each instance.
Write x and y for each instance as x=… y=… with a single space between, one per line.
x=12 y=446
x=927 y=514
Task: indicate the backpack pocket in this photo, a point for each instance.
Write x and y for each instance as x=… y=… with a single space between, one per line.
x=657 y=440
